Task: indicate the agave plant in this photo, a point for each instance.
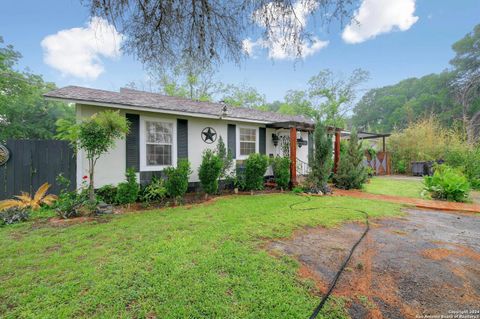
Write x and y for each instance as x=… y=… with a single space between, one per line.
x=25 y=200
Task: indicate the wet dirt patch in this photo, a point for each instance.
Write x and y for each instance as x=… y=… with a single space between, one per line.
x=423 y=263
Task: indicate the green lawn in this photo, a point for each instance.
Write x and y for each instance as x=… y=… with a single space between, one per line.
x=204 y=261
x=395 y=186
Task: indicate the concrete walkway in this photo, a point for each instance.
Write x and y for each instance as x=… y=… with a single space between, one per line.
x=420 y=203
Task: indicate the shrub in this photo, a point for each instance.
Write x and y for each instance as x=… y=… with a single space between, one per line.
x=69 y=203
x=209 y=171
x=297 y=190
x=13 y=215
x=177 y=179
x=400 y=166
x=153 y=192
x=107 y=194
x=466 y=159
x=127 y=192
x=351 y=172
x=226 y=158
x=424 y=140
x=255 y=168
x=321 y=166
x=281 y=171
x=26 y=201
x=447 y=184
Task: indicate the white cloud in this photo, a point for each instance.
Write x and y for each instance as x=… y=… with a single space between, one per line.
x=375 y=17
x=282 y=44
x=78 y=51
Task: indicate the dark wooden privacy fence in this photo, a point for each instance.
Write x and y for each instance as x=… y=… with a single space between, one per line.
x=34 y=162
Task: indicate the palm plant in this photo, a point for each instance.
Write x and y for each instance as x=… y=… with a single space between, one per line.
x=25 y=200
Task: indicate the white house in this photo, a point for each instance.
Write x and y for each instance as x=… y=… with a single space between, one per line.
x=164 y=129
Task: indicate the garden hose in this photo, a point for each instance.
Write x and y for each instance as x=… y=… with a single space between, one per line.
x=317 y=310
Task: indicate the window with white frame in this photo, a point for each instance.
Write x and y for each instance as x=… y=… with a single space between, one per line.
x=248 y=141
x=159 y=143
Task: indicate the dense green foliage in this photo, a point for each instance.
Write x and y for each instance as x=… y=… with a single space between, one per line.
x=428 y=140
x=255 y=168
x=107 y=194
x=351 y=172
x=448 y=184
x=321 y=162
x=127 y=192
x=281 y=171
x=24 y=112
x=209 y=171
x=204 y=261
x=394 y=107
x=155 y=191
x=69 y=203
x=177 y=179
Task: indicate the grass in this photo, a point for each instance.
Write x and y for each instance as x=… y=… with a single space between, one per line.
x=397 y=187
x=202 y=261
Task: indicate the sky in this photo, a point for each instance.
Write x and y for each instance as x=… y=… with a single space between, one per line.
x=393 y=40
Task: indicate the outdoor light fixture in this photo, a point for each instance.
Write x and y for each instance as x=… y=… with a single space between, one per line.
x=301 y=142
x=275 y=139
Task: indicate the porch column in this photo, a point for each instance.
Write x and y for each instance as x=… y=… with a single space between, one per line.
x=383 y=144
x=336 y=158
x=293 y=156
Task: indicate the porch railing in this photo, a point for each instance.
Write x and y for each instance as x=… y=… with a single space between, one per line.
x=302 y=168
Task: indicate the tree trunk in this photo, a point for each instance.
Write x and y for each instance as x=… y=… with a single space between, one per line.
x=471 y=128
x=91 y=187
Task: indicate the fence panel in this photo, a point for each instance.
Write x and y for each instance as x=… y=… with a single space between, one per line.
x=34 y=162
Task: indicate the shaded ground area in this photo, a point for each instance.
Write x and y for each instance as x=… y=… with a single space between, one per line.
x=423 y=263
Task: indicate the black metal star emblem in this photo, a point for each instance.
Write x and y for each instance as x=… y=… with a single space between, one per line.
x=209 y=135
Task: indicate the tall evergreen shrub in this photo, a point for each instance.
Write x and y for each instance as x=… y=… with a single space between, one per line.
x=351 y=172
x=321 y=161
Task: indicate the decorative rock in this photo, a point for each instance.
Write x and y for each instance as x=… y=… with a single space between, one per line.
x=104 y=209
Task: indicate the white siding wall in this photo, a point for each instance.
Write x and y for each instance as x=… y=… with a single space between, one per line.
x=110 y=168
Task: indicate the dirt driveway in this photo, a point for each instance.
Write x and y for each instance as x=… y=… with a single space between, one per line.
x=425 y=262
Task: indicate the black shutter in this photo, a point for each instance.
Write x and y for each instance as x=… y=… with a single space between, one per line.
x=132 y=142
x=182 y=139
x=232 y=139
x=262 y=134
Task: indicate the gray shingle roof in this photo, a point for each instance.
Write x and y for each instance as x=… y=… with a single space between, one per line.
x=158 y=102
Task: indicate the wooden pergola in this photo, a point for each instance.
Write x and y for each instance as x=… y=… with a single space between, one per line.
x=295 y=126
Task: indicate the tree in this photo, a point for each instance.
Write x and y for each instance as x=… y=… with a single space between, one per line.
x=96 y=136
x=321 y=161
x=24 y=113
x=466 y=84
x=333 y=95
x=244 y=96
x=297 y=102
x=167 y=32
x=396 y=106
x=351 y=172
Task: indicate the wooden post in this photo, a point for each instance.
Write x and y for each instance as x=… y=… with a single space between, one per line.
x=383 y=144
x=293 y=156
x=336 y=159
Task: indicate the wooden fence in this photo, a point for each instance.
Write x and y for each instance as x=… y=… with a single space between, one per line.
x=34 y=162
x=381 y=164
